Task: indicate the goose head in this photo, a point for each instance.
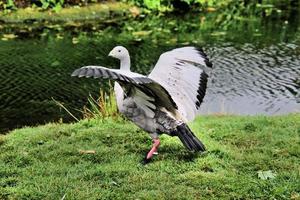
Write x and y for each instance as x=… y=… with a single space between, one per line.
x=122 y=54
x=119 y=52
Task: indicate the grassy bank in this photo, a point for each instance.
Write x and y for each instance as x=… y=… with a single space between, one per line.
x=99 y=11
x=247 y=158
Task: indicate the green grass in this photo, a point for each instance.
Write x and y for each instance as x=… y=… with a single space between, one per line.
x=48 y=162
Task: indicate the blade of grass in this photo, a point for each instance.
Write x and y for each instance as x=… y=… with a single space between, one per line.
x=63 y=107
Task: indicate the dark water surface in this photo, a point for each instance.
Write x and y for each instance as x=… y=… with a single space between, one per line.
x=256 y=69
x=248 y=80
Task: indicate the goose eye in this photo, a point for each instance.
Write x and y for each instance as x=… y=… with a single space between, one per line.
x=119 y=50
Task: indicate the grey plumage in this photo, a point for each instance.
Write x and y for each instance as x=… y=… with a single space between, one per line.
x=166 y=99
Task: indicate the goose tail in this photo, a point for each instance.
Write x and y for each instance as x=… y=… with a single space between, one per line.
x=188 y=138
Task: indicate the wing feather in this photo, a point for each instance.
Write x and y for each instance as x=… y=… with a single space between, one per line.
x=149 y=90
x=82 y=73
x=183 y=73
x=89 y=72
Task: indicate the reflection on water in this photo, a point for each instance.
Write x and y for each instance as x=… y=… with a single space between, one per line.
x=257 y=76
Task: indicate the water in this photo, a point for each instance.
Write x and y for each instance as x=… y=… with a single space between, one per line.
x=256 y=70
x=250 y=81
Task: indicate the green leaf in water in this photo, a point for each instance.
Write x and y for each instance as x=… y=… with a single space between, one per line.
x=9 y=36
x=264 y=175
x=75 y=40
x=218 y=33
x=141 y=33
x=55 y=63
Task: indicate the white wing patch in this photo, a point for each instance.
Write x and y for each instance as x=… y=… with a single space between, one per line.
x=181 y=73
x=144 y=102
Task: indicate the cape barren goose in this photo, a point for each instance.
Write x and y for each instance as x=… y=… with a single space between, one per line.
x=166 y=99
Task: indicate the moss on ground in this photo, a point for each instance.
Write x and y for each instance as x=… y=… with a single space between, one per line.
x=52 y=161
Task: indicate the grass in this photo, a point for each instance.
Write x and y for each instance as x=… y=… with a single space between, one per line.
x=103 y=107
x=95 y=159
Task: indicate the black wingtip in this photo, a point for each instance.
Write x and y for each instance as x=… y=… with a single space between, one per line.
x=208 y=63
x=201 y=89
x=201 y=51
x=204 y=55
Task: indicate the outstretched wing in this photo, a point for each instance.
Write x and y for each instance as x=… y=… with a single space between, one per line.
x=150 y=88
x=114 y=74
x=183 y=73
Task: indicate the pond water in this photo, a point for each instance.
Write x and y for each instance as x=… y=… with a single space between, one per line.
x=256 y=65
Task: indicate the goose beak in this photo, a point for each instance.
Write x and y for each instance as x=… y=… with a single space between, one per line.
x=111 y=54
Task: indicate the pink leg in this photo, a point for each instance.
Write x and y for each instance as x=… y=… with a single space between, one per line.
x=154 y=148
